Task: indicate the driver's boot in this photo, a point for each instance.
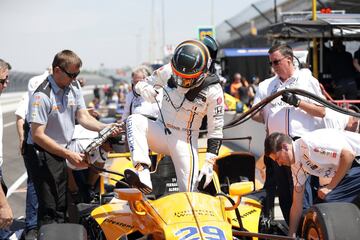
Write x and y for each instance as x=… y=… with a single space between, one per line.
x=139 y=178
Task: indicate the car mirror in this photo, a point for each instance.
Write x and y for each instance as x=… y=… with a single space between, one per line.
x=241 y=188
x=129 y=194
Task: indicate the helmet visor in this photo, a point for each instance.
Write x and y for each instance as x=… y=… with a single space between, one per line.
x=184 y=82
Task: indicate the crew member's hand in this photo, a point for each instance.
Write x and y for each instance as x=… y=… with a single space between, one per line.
x=6 y=216
x=207 y=169
x=291 y=99
x=322 y=192
x=146 y=91
x=77 y=159
x=118 y=130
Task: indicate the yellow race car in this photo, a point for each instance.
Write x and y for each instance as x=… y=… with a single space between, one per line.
x=228 y=208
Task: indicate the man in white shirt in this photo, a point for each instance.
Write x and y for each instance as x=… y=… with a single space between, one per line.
x=337 y=120
x=328 y=153
x=134 y=103
x=292 y=115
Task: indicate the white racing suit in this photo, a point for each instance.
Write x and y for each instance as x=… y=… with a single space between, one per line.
x=183 y=118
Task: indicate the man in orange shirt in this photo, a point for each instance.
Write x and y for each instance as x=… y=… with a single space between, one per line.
x=235 y=85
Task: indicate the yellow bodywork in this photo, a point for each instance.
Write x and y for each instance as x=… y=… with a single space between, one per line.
x=183 y=215
x=177 y=216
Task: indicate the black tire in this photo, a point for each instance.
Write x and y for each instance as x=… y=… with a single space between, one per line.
x=328 y=221
x=65 y=231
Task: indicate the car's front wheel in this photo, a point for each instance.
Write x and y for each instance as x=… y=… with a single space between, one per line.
x=331 y=221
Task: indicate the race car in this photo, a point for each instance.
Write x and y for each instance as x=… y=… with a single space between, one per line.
x=228 y=209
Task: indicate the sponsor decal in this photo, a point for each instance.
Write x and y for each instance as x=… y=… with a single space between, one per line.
x=201 y=97
x=172 y=186
x=166 y=97
x=328 y=172
x=252 y=211
x=120 y=224
x=199 y=212
x=278 y=104
x=55 y=108
x=37 y=97
x=219 y=100
x=219 y=110
x=130 y=134
x=325 y=152
x=36 y=104
x=308 y=162
x=311 y=165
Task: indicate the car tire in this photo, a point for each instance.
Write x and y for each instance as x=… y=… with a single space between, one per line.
x=330 y=221
x=63 y=231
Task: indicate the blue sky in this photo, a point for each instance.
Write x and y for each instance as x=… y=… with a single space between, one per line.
x=116 y=33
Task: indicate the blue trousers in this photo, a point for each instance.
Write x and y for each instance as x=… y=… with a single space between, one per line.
x=31 y=199
x=31 y=206
x=348 y=188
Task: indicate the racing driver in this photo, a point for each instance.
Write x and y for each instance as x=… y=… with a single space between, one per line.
x=190 y=92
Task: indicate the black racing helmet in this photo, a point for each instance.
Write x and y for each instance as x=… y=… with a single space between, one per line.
x=190 y=63
x=212 y=46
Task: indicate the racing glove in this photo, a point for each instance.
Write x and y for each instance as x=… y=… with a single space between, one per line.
x=291 y=99
x=207 y=169
x=146 y=91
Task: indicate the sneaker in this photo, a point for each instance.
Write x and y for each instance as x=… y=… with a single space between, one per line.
x=139 y=179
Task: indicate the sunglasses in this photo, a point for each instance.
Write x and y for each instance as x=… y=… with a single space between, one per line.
x=2 y=81
x=70 y=75
x=276 y=62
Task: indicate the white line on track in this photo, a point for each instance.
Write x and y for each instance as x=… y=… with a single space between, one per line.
x=21 y=179
x=9 y=124
x=16 y=184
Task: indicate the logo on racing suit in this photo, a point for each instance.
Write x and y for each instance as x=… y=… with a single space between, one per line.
x=130 y=135
x=218 y=110
x=202 y=97
x=325 y=152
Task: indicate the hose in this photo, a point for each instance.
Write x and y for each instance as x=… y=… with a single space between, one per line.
x=257 y=107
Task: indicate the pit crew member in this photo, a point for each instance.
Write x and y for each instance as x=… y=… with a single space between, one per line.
x=328 y=153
